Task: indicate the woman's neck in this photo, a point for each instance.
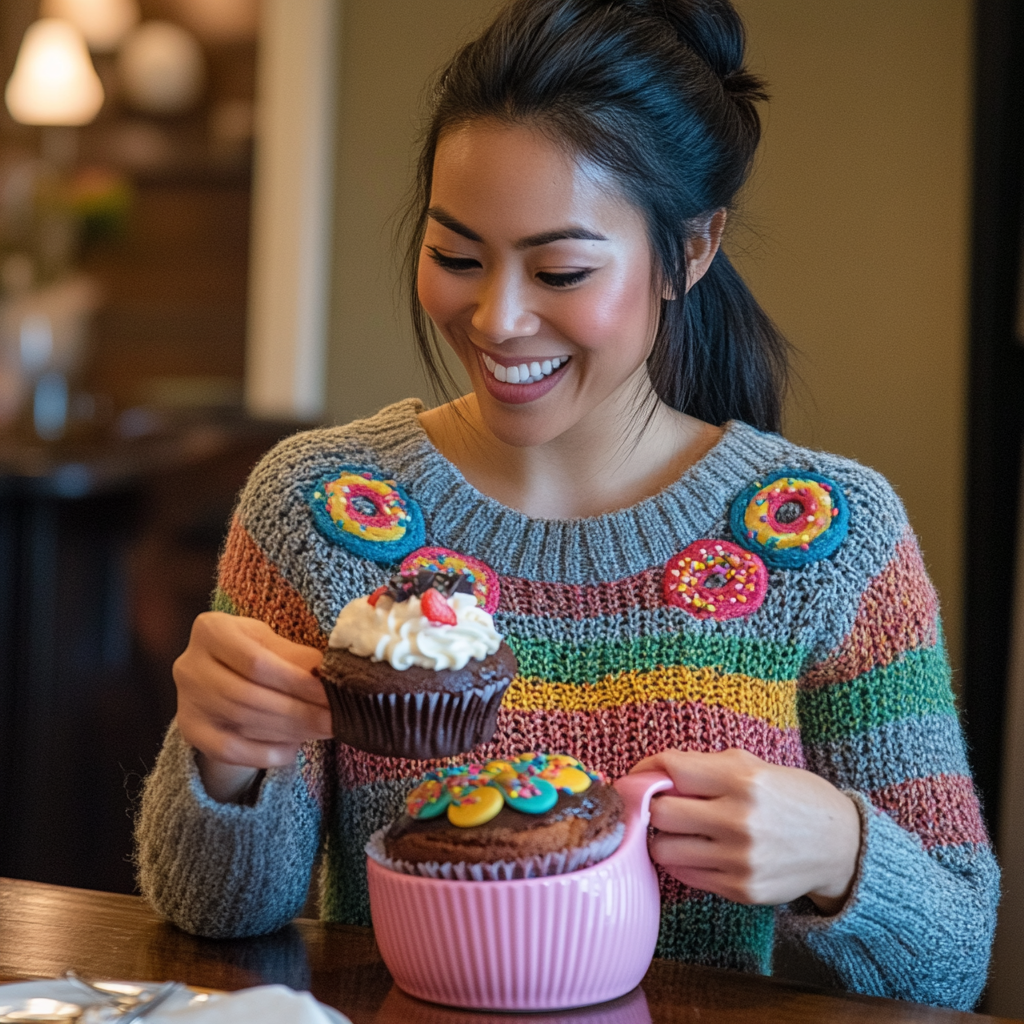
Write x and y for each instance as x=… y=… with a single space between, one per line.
x=598 y=467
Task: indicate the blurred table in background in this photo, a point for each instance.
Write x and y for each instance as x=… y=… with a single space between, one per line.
x=107 y=553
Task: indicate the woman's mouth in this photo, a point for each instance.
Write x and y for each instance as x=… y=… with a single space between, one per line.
x=524 y=382
x=526 y=372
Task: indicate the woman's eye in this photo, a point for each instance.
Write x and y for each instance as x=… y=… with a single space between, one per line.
x=451 y=262
x=563 y=280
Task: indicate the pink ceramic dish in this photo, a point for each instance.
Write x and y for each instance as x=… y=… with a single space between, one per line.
x=530 y=944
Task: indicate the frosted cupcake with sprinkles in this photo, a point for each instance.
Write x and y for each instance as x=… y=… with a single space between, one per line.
x=524 y=816
x=416 y=669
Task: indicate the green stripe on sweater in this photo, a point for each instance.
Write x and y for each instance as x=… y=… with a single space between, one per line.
x=915 y=685
x=567 y=662
x=713 y=931
x=222 y=603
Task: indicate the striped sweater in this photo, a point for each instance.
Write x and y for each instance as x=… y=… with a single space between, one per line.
x=838 y=667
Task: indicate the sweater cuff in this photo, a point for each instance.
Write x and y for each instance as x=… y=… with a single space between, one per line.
x=888 y=938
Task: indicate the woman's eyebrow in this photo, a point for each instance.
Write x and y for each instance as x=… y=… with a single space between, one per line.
x=444 y=218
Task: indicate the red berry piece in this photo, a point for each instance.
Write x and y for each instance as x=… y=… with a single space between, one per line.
x=437 y=609
x=376 y=596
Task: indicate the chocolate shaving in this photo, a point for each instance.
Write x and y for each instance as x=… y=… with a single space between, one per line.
x=402 y=586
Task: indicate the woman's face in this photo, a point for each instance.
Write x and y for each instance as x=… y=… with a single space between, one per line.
x=540 y=277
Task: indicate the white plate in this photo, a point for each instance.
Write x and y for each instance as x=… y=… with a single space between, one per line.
x=65 y=991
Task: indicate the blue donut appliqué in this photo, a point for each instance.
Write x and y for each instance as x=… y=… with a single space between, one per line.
x=791 y=517
x=370 y=515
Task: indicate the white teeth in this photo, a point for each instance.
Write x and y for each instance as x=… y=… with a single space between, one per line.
x=524 y=373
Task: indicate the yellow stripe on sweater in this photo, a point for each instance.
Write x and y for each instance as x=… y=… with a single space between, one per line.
x=772 y=702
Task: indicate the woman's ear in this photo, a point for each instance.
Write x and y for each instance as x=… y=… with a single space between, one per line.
x=702 y=246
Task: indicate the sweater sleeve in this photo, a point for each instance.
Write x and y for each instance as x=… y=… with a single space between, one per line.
x=224 y=870
x=878 y=720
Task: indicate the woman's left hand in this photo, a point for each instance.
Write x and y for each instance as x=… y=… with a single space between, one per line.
x=754 y=832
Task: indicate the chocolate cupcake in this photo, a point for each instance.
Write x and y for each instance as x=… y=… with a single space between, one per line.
x=416 y=669
x=531 y=815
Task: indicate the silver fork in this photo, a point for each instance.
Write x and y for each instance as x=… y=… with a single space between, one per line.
x=140 y=1010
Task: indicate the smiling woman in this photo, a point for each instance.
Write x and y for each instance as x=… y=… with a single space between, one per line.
x=684 y=590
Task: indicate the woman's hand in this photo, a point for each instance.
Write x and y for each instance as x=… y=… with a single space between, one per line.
x=247 y=700
x=754 y=832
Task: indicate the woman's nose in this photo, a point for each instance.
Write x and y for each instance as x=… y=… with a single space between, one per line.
x=502 y=311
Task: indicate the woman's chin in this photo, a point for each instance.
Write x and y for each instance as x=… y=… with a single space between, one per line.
x=523 y=426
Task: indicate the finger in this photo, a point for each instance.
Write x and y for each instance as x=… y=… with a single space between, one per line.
x=232 y=749
x=683 y=815
x=693 y=773
x=258 y=657
x=244 y=707
x=307 y=658
x=691 y=853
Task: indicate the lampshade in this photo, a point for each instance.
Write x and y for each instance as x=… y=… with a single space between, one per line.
x=161 y=68
x=54 y=81
x=104 y=23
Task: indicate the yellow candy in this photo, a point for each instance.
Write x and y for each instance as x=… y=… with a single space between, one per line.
x=572 y=779
x=497 y=767
x=476 y=808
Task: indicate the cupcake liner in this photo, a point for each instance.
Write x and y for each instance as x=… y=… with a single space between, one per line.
x=557 y=863
x=422 y=726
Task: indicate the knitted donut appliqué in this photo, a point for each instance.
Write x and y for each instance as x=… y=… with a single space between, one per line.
x=371 y=516
x=791 y=518
x=715 y=579
x=482 y=576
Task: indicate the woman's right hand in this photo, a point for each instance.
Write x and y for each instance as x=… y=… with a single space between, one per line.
x=247 y=700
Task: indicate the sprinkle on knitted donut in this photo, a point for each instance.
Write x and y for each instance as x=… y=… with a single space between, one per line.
x=791 y=518
x=715 y=579
x=371 y=516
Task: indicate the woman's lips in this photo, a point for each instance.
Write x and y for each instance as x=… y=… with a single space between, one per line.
x=538 y=384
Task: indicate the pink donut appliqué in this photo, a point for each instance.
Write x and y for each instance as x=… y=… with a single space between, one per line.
x=715 y=579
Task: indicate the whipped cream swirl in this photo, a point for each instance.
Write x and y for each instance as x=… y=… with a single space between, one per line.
x=399 y=633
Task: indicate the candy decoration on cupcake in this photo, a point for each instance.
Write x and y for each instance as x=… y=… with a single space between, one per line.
x=473 y=794
x=715 y=579
x=483 y=578
x=371 y=516
x=791 y=518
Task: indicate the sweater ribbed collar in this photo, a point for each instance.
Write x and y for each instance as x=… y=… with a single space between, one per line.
x=580 y=551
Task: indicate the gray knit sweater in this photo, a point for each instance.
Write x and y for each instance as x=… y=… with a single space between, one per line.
x=771 y=599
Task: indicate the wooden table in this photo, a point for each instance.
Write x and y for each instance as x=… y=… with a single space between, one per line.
x=46 y=929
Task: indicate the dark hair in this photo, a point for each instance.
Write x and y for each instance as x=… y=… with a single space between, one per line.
x=654 y=92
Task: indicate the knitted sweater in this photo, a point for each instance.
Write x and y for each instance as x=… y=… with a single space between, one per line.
x=837 y=666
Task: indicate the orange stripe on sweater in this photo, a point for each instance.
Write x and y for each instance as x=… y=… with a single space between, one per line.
x=257 y=589
x=898 y=612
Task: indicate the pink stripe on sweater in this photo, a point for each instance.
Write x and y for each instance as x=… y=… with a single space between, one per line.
x=942 y=809
x=611 y=741
x=569 y=601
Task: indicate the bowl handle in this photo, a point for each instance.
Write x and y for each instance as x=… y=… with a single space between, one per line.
x=636 y=791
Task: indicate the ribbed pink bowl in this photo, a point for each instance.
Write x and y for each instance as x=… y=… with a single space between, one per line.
x=530 y=944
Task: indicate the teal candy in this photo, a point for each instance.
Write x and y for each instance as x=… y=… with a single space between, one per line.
x=546 y=798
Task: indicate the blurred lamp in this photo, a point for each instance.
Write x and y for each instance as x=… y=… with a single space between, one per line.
x=104 y=23
x=54 y=82
x=161 y=68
